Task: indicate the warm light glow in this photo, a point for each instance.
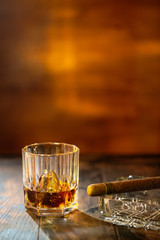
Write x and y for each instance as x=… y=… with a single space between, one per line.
x=60 y=56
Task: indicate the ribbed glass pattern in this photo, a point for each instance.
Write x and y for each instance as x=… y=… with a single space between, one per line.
x=39 y=160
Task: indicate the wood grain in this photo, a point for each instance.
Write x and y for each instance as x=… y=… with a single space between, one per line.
x=17 y=223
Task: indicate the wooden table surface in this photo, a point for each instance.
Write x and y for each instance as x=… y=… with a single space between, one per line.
x=17 y=223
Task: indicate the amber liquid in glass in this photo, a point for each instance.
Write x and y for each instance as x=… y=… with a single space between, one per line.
x=49 y=200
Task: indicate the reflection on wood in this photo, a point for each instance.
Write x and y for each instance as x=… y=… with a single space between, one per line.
x=83 y=72
x=77 y=226
x=17 y=223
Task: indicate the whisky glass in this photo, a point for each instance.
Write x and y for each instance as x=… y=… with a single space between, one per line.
x=50 y=178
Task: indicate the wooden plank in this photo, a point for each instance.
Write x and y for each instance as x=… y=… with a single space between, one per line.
x=77 y=225
x=112 y=168
x=16 y=223
x=136 y=234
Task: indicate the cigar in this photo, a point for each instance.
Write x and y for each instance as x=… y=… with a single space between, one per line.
x=100 y=189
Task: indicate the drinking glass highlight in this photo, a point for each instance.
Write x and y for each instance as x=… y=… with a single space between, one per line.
x=50 y=178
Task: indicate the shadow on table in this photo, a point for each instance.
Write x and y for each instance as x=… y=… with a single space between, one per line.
x=77 y=225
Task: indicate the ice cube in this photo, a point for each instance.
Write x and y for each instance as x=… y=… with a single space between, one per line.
x=65 y=185
x=53 y=184
x=43 y=181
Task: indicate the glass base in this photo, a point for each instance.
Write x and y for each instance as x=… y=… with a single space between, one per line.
x=55 y=212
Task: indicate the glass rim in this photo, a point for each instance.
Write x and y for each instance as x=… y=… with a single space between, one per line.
x=24 y=149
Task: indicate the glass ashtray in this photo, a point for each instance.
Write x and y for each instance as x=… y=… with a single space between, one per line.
x=134 y=209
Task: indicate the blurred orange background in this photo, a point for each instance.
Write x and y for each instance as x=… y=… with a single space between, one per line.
x=81 y=72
